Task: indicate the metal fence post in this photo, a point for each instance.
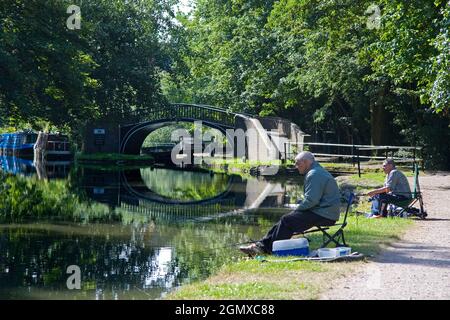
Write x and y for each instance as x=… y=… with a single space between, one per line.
x=421 y=157
x=359 y=163
x=353 y=155
x=120 y=142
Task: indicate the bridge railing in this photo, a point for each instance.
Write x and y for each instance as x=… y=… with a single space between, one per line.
x=187 y=111
x=205 y=113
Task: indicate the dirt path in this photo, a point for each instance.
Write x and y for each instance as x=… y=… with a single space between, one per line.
x=418 y=266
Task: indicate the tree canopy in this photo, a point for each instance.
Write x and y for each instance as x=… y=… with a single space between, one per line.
x=368 y=72
x=322 y=65
x=108 y=67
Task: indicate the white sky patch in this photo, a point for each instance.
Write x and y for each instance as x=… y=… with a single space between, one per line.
x=185 y=6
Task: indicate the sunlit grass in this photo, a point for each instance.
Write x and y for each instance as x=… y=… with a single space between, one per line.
x=111 y=156
x=244 y=163
x=252 y=290
x=251 y=279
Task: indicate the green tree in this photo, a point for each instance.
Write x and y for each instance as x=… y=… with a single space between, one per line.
x=44 y=71
x=411 y=51
x=125 y=42
x=320 y=65
x=107 y=68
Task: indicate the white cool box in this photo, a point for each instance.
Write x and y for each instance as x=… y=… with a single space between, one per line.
x=300 y=247
x=334 y=252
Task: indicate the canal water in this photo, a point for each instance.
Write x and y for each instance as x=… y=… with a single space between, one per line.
x=137 y=233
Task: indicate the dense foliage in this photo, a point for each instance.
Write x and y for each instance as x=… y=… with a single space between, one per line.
x=368 y=72
x=108 y=67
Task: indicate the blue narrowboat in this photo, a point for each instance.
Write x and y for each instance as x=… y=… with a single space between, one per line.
x=18 y=144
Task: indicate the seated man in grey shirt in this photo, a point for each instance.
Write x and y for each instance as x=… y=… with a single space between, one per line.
x=396 y=188
x=320 y=206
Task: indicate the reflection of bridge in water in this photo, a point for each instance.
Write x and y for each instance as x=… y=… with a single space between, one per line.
x=129 y=193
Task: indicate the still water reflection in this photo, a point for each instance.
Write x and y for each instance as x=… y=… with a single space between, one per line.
x=135 y=234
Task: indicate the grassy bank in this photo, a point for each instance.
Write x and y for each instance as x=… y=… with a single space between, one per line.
x=112 y=160
x=238 y=166
x=243 y=168
x=252 y=279
x=110 y=157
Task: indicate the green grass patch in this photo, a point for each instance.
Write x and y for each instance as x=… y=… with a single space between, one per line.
x=111 y=156
x=240 y=163
x=330 y=165
x=368 y=178
x=255 y=266
x=369 y=235
x=251 y=279
x=251 y=290
x=375 y=177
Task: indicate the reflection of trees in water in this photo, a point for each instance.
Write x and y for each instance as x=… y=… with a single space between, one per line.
x=184 y=185
x=30 y=198
x=203 y=248
x=295 y=192
x=134 y=261
x=66 y=200
x=138 y=258
x=110 y=266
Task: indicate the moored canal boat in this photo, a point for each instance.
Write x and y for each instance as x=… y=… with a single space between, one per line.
x=52 y=146
x=19 y=144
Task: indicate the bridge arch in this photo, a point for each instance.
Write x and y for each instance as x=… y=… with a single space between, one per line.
x=133 y=135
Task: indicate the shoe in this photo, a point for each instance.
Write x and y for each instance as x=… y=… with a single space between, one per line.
x=375 y=216
x=252 y=250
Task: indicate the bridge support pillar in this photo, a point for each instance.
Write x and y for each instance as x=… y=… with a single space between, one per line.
x=101 y=136
x=258 y=144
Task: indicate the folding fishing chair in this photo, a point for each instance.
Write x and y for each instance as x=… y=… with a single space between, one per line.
x=336 y=237
x=405 y=208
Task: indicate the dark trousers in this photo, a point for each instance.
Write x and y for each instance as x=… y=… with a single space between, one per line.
x=380 y=201
x=293 y=222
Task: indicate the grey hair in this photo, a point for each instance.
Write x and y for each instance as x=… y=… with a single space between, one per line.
x=389 y=161
x=305 y=155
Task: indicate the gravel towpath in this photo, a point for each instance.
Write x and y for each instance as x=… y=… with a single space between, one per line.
x=417 y=266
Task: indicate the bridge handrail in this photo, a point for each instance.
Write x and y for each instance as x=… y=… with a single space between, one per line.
x=176 y=110
x=213 y=108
